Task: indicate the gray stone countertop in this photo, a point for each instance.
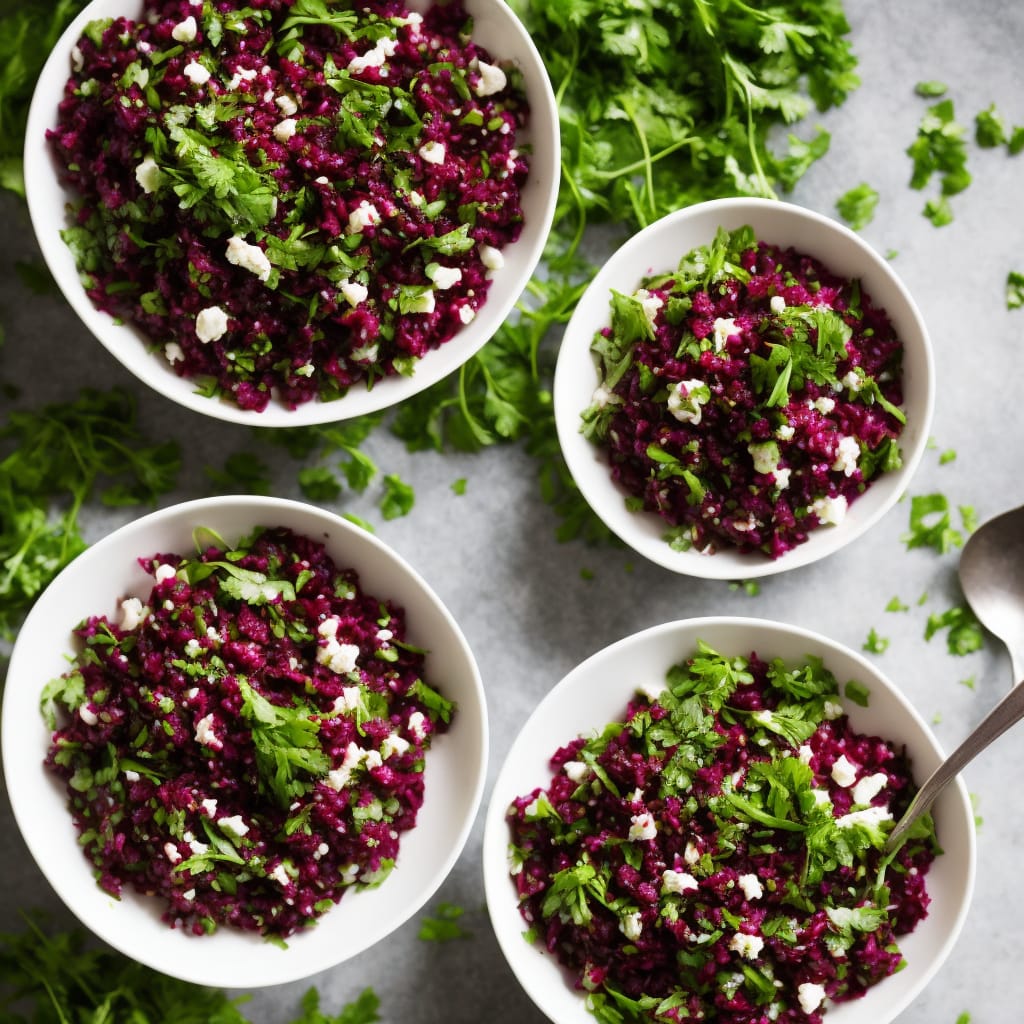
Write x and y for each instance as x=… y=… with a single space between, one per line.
x=532 y=608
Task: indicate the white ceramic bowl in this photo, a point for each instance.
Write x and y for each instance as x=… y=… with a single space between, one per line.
x=454 y=774
x=657 y=249
x=496 y=28
x=596 y=692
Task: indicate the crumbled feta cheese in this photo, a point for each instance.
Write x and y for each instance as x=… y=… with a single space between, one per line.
x=678 y=881
x=869 y=787
x=576 y=771
x=373 y=759
x=338 y=657
x=751 y=886
x=280 y=875
x=375 y=57
x=353 y=292
x=777 y=304
x=491 y=257
x=148 y=175
x=685 y=399
x=844 y=772
x=329 y=627
x=233 y=823
x=853 y=380
x=724 y=327
x=748 y=946
x=433 y=152
x=824 y=405
x=285 y=129
x=185 y=31
x=691 y=855
x=805 y=754
x=205 y=734
x=164 y=572
x=87 y=715
x=249 y=257
x=338 y=778
x=782 y=477
x=209 y=805
x=365 y=215
x=198 y=847
x=211 y=324
x=196 y=73
x=392 y=745
x=240 y=76
x=350 y=699
x=832 y=710
x=77 y=59
x=830 y=511
x=811 y=996
x=869 y=817
x=171 y=853
x=131 y=776
x=133 y=612
x=444 y=277
x=632 y=925
x=467 y=314
x=286 y=104
x=492 y=79
x=784 y=432
x=423 y=303
x=846 y=456
x=650 y=303
x=193 y=648
x=418 y=725
x=643 y=827
x=820 y=797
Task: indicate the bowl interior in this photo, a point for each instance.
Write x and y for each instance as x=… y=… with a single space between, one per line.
x=494 y=27
x=597 y=691
x=454 y=774
x=658 y=248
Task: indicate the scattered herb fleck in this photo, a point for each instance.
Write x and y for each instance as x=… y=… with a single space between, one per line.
x=930 y=89
x=398 y=497
x=459 y=486
x=965 y=632
x=989 y=128
x=857 y=206
x=930 y=525
x=1014 y=289
x=875 y=644
x=445 y=926
x=949 y=455
x=857 y=692
x=896 y=605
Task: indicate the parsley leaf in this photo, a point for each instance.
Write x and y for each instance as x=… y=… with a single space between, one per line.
x=857 y=206
x=965 y=633
x=1014 y=289
x=930 y=524
x=445 y=926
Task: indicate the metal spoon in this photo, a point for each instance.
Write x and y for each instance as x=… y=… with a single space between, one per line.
x=992 y=577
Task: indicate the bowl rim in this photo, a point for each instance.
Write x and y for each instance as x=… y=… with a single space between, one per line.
x=230 y=958
x=575 y=370
x=45 y=195
x=580 y=697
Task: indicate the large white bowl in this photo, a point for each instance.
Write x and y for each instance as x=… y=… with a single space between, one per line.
x=657 y=249
x=495 y=27
x=596 y=692
x=454 y=773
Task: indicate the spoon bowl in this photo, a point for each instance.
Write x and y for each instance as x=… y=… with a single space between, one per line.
x=992 y=578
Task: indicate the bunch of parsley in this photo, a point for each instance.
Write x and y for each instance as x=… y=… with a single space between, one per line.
x=662 y=103
x=57 y=978
x=52 y=461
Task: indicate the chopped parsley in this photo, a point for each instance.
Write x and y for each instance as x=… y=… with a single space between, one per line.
x=1014 y=289
x=989 y=128
x=930 y=89
x=857 y=206
x=896 y=605
x=931 y=524
x=445 y=925
x=875 y=644
x=939 y=148
x=965 y=634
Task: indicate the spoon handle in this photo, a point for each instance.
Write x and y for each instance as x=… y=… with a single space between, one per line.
x=1007 y=712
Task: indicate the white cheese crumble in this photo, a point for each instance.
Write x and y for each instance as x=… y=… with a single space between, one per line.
x=632 y=925
x=830 y=511
x=649 y=303
x=280 y=875
x=285 y=129
x=777 y=304
x=724 y=326
x=751 y=886
x=286 y=104
x=133 y=613
x=811 y=996
x=678 y=881
x=87 y=715
x=392 y=745
x=748 y=946
x=233 y=823
x=209 y=805
x=338 y=657
x=424 y=303
x=185 y=31
x=685 y=399
x=148 y=175
x=211 y=324
x=196 y=73
x=467 y=314
x=643 y=827
x=576 y=771
x=249 y=257
x=869 y=787
x=492 y=79
x=164 y=572
x=418 y=725
x=171 y=853
x=444 y=277
x=365 y=215
x=844 y=772
x=375 y=57
x=691 y=855
x=765 y=455
x=353 y=292
x=491 y=257
x=846 y=456
x=433 y=152
x=871 y=817
x=205 y=734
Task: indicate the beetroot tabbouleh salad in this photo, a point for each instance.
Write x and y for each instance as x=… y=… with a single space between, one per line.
x=292 y=196
x=748 y=398
x=718 y=854
x=248 y=743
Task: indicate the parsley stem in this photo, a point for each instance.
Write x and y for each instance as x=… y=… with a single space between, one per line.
x=618 y=172
x=627 y=106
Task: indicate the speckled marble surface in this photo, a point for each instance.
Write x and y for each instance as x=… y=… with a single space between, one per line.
x=530 y=615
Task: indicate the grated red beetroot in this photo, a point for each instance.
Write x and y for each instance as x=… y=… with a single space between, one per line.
x=747 y=398
x=248 y=744
x=719 y=853
x=288 y=201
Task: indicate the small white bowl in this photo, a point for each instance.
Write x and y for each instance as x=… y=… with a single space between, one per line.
x=497 y=29
x=454 y=774
x=597 y=691
x=657 y=249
